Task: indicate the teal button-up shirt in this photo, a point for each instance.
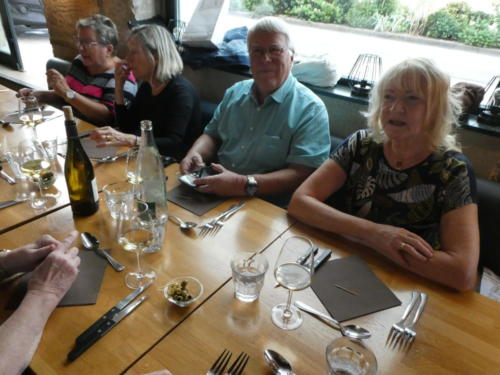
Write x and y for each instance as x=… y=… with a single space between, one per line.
x=291 y=126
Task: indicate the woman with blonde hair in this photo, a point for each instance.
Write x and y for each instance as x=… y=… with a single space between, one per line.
x=409 y=192
x=164 y=96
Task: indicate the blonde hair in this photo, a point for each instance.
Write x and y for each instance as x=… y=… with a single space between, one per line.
x=159 y=44
x=442 y=106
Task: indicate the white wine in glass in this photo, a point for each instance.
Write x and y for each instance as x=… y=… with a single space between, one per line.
x=293 y=270
x=35 y=165
x=135 y=233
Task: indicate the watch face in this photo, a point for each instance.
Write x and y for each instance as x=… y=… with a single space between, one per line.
x=70 y=94
x=251 y=186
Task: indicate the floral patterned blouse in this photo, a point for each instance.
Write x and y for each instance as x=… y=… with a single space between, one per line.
x=414 y=198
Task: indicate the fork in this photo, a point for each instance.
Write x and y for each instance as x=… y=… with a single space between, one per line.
x=398 y=329
x=209 y=226
x=239 y=364
x=410 y=334
x=220 y=363
x=220 y=223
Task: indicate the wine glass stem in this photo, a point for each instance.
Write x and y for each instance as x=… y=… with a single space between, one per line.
x=287 y=313
x=139 y=268
x=39 y=184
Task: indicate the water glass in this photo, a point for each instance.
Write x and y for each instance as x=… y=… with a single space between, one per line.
x=50 y=146
x=116 y=194
x=350 y=357
x=248 y=276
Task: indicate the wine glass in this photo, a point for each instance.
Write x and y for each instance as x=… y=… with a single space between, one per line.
x=293 y=270
x=35 y=164
x=135 y=233
x=30 y=112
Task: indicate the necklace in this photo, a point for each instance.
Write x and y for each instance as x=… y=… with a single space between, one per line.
x=400 y=163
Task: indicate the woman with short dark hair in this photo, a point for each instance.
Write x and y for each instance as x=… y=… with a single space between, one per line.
x=89 y=86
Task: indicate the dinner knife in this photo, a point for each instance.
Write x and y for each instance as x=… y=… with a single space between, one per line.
x=6 y=204
x=110 y=314
x=103 y=329
x=6 y=177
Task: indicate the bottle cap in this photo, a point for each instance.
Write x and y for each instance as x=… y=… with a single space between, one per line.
x=68 y=113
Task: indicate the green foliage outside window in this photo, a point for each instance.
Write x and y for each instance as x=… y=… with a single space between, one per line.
x=456 y=21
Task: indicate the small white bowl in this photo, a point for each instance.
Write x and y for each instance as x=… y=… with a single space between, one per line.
x=194 y=287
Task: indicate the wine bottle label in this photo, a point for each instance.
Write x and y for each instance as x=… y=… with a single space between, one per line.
x=94 y=190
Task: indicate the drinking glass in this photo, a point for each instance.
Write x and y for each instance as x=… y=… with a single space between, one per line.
x=293 y=270
x=30 y=112
x=135 y=233
x=350 y=357
x=35 y=164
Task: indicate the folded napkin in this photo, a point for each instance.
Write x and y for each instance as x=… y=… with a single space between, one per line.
x=194 y=201
x=93 y=152
x=84 y=290
x=333 y=282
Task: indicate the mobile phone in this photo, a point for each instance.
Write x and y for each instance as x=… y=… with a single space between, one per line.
x=188 y=179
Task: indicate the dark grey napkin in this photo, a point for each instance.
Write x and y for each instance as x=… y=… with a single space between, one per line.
x=353 y=274
x=194 y=201
x=84 y=290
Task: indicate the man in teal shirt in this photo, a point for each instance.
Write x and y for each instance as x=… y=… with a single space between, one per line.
x=268 y=134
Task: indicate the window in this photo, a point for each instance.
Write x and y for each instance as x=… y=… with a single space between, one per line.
x=343 y=44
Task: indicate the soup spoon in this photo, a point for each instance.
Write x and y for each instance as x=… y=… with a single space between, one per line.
x=277 y=362
x=352 y=331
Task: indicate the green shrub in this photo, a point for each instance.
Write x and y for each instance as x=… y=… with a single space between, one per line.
x=344 y=6
x=460 y=11
x=283 y=6
x=480 y=35
x=362 y=14
x=251 y=4
x=442 y=25
x=386 y=7
x=316 y=11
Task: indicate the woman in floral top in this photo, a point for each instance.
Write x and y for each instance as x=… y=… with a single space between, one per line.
x=406 y=189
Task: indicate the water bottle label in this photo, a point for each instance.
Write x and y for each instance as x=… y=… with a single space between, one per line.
x=94 y=190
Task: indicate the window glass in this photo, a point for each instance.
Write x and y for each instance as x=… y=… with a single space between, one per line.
x=342 y=43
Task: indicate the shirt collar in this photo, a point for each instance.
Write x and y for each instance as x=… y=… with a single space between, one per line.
x=279 y=95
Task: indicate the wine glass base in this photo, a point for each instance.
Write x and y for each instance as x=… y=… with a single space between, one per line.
x=288 y=322
x=136 y=279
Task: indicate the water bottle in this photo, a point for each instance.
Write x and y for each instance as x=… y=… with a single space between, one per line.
x=151 y=187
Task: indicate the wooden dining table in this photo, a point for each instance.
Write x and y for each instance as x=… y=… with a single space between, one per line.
x=458 y=333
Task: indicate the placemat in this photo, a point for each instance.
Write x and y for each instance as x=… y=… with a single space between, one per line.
x=84 y=290
x=194 y=201
x=335 y=280
x=93 y=152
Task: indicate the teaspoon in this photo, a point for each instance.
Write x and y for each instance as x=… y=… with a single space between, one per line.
x=351 y=330
x=91 y=242
x=277 y=362
x=183 y=224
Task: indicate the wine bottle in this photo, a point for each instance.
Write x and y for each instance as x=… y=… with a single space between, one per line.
x=151 y=183
x=80 y=178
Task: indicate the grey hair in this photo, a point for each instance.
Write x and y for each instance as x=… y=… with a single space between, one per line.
x=104 y=28
x=442 y=106
x=272 y=25
x=159 y=44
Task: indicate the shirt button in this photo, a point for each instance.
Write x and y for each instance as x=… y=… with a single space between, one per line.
x=233 y=165
x=258 y=109
x=242 y=147
x=251 y=128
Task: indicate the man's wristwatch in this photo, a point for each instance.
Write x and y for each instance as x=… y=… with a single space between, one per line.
x=70 y=94
x=251 y=186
